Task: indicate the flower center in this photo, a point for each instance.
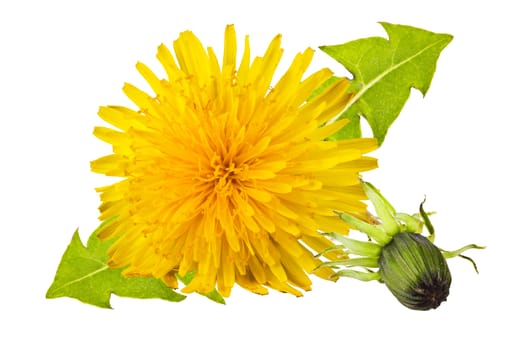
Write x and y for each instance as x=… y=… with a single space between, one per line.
x=225 y=175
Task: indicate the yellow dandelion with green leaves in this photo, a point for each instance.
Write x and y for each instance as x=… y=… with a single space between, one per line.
x=220 y=173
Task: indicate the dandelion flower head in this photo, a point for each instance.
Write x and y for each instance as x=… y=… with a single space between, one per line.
x=221 y=174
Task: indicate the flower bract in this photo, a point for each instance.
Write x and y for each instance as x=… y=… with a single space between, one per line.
x=223 y=172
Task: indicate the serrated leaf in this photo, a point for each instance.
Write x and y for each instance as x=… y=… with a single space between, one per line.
x=385 y=71
x=83 y=274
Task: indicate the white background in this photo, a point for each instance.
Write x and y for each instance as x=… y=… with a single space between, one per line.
x=60 y=61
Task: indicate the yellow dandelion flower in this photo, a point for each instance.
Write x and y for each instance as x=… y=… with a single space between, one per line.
x=224 y=175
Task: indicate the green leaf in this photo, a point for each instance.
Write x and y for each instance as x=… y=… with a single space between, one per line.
x=83 y=274
x=213 y=295
x=323 y=86
x=352 y=129
x=384 y=72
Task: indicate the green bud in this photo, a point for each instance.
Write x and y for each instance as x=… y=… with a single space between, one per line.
x=396 y=253
x=415 y=271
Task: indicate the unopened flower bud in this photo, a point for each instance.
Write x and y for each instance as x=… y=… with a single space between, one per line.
x=415 y=271
x=396 y=253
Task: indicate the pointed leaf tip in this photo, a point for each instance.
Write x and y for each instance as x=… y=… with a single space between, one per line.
x=385 y=70
x=84 y=274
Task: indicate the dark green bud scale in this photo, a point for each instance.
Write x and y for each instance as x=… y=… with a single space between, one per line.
x=415 y=271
